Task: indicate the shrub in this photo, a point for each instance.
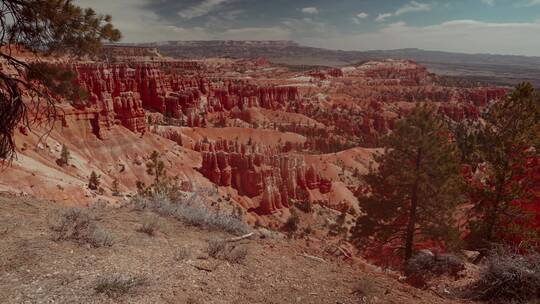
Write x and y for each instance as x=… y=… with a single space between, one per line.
x=149 y=225
x=220 y=249
x=182 y=253
x=305 y=205
x=64 y=157
x=339 y=228
x=236 y=254
x=366 y=291
x=115 y=188
x=508 y=278
x=293 y=222
x=76 y=224
x=192 y=214
x=117 y=285
x=216 y=247
x=425 y=266
x=94 y=182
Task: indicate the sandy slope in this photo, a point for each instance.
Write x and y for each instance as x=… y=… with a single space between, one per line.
x=35 y=269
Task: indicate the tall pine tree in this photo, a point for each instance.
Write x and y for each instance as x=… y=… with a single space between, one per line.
x=44 y=27
x=508 y=145
x=415 y=188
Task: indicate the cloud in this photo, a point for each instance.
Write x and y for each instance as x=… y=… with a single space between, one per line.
x=307 y=27
x=362 y=15
x=528 y=3
x=359 y=17
x=488 y=2
x=468 y=36
x=411 y=7
x=310 y=10
x=139 y=24
x=256 y=33
x=201 y=9
x=382 y=17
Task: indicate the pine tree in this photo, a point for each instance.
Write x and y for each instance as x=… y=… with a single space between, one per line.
x=508 y=148
x=415 y=188
x=94 y=182
x=64 y=156
x=156 y=167
x=43 y=26
x=115 y=187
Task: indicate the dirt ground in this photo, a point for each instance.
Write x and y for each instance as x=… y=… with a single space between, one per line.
x=34 y=268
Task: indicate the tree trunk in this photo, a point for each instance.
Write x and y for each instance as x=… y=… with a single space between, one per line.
x=411 y=225
x=409 y=240
x=491 y=221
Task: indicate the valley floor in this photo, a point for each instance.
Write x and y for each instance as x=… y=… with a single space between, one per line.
x=36 y=269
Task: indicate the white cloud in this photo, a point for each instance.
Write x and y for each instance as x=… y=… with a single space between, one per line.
x=141 y=25
x=310 y=10
x=138 y=24
x=359 y=17
x=528 y=3
x=201 y=9
x=256 y=33
x=488 y=2
x=382 y=17
x=468 y=36
x=411 y=7
x=362 y=15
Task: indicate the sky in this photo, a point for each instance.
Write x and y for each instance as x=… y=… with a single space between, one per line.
x=471 y=26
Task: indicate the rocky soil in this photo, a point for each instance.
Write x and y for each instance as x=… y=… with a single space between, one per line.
x=173 y=265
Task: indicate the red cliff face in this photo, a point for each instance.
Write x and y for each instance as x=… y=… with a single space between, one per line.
x=188 y=99
x=257 y=171
x=114 y=95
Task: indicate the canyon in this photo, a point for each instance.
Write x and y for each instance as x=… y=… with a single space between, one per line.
x=264 y=135
x=246 y=138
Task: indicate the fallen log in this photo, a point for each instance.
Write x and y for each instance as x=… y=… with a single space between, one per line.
x=236 y=239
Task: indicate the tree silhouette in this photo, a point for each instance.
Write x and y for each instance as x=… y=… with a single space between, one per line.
x=415 y=188
x=47 y=27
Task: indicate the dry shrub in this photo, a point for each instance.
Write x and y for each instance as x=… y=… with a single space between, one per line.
x=117 y=285
x=305 y=205
x=182 y=253
x=77 y=225
x=220 y=249
x=236 y=254
x=366 y=290
x=216 y=247
x=425 y=266
x=293 y=222
x=508 y=277
x=149 y=225
x=193 y=214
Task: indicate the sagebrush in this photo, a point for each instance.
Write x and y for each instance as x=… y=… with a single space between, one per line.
x=117 y=285
x=192 y=213
x=508 y=277
x=78 y=225
x=221 y=249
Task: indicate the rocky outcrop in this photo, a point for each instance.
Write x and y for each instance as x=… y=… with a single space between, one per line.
x=186 y=99
x=257 y=171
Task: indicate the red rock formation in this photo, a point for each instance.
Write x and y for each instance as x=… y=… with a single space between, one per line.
x=187 y=99
x=256 y=171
